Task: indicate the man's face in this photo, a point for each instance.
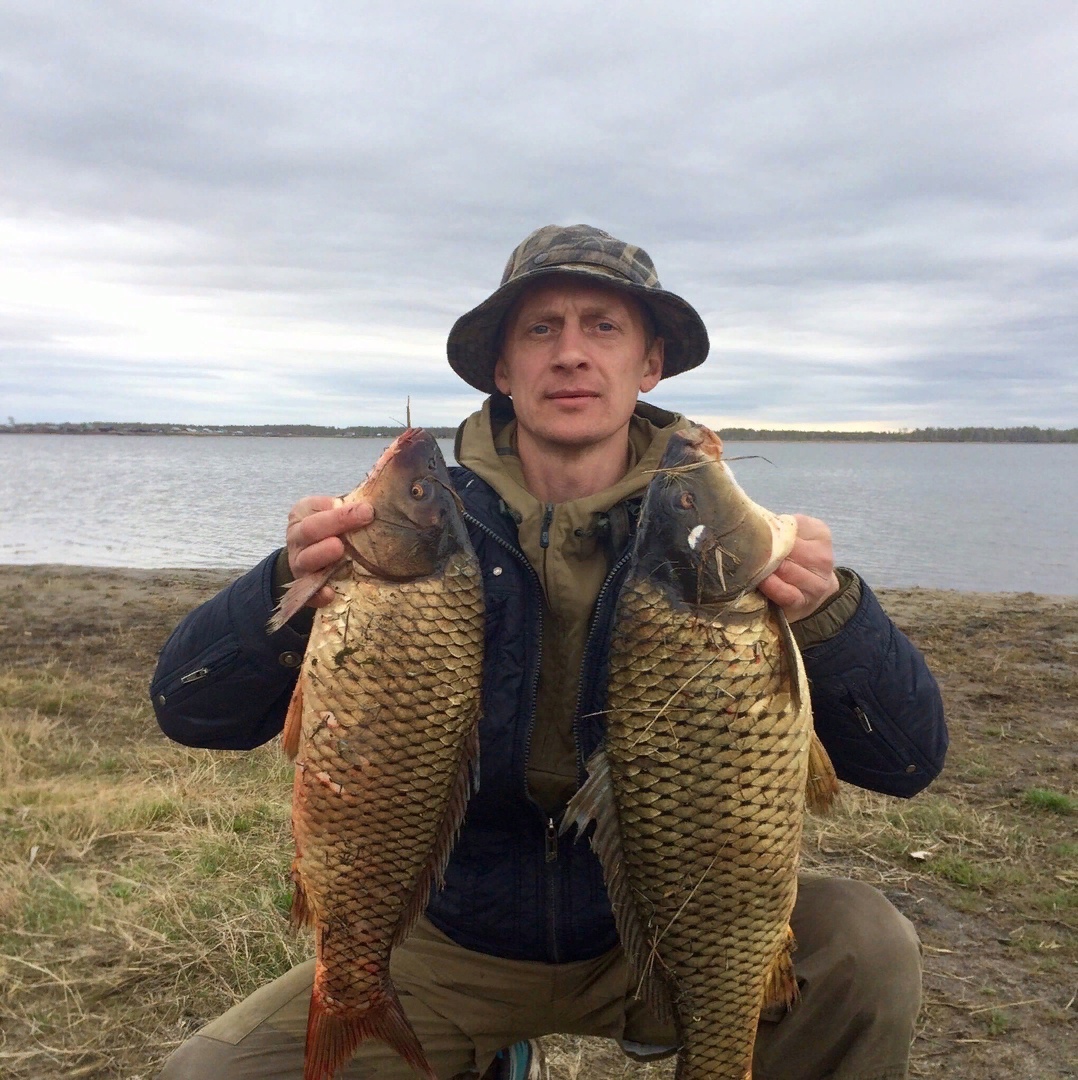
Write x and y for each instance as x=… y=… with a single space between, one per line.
x=574 y=358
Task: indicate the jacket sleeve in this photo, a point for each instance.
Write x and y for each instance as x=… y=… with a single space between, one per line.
x=222 y=681
x=876 y=706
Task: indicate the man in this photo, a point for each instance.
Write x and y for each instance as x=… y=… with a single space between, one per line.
x=521 y=941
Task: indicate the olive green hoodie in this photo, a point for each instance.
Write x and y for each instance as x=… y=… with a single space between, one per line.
x=570 y=545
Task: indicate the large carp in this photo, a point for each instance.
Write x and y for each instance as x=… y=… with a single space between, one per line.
x=383 y=729
x=699 y=793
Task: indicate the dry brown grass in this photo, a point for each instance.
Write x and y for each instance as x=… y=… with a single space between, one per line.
x=143 y=886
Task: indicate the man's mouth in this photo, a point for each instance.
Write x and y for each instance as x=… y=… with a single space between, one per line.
x=568 y=394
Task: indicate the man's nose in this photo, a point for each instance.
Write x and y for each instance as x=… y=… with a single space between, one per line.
x=571 y=351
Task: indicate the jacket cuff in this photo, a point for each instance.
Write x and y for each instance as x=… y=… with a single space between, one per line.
x=826 y=621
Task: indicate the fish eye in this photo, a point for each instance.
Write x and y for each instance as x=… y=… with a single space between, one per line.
x=419 y=489
x=685 y=501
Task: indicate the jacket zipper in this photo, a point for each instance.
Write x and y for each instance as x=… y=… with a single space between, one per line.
x=550 y=832
x=551 y=840
x=523 y=559
x=589 y=642
x=552 y=880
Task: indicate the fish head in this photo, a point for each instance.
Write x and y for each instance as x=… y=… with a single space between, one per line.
x=699 y=530
x=417 y=522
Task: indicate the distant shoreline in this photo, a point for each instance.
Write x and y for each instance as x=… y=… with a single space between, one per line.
x=313 y=431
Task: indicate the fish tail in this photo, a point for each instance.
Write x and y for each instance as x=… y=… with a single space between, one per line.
x=780 y=982
x=332 y=1038
x=822 y=784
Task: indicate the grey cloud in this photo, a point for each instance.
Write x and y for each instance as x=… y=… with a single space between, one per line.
x=787 y=168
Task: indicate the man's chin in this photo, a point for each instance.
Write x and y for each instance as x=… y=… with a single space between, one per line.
x=568 y=436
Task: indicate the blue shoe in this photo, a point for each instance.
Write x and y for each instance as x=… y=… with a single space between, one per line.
x=521 y=1061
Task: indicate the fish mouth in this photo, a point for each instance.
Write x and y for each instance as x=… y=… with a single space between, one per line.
x=705 y=444
x=407 y=440
x=718 y=541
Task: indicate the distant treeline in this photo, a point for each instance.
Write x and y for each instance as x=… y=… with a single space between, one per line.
x=932 y=434
x=283 y=431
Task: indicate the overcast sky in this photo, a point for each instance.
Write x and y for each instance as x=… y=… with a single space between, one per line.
x=252 y=212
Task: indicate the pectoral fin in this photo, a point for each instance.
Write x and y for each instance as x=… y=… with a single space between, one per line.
x=780 y=983
x=298 y=593
x=822 y=785
x=293 y=723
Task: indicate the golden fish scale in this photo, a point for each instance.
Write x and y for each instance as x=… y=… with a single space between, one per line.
x=391 y=691
x=708 y=756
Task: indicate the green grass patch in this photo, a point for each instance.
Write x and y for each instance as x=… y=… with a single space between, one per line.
x=958 y=871
x=122 y=890
x=49 y=905
x=1054 y=802
x=154 y=811
x=1058 y=899
x=215 y=856
x=51 y=691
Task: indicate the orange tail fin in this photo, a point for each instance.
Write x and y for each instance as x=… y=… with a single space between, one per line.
x=332 y=1039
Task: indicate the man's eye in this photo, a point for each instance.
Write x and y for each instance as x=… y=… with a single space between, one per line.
x=605 y=326
x=540 y=328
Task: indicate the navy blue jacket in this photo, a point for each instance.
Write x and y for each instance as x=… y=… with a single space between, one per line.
x=513 y=888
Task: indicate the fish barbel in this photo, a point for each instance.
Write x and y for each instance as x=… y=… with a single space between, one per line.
x=699 y=792
x=383 y=729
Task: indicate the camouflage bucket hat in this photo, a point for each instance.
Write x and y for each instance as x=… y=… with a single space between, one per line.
x=592 y=255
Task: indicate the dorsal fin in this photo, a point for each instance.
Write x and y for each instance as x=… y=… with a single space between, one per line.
x=594 y=802
x=821 y=785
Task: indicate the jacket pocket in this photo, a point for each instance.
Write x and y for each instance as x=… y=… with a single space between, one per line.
x=211 y=665
x=867 y=748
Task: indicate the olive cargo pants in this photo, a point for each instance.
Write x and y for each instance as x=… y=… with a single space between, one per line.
x=857 y=960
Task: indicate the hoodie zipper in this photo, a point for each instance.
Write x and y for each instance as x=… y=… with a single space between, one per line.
x=544 y=527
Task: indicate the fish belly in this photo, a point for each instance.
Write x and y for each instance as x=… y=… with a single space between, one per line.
x=708 y=734
x=389 y=693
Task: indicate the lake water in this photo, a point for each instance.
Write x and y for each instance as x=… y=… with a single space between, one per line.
x=968 y=516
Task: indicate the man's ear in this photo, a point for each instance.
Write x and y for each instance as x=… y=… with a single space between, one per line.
x=501 y=377
x=653 y=366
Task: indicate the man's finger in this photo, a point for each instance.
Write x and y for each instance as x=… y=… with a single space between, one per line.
x=317 y=525
x=314 y=557
x=780 y=591
x=312 y=504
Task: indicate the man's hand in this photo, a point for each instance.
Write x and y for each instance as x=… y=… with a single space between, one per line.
x=806 y=578
x=315 y=527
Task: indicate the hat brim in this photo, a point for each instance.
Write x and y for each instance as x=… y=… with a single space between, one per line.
x=473 y=341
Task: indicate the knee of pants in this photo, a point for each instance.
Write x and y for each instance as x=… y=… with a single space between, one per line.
x=186 y=1062
x=867 y=953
